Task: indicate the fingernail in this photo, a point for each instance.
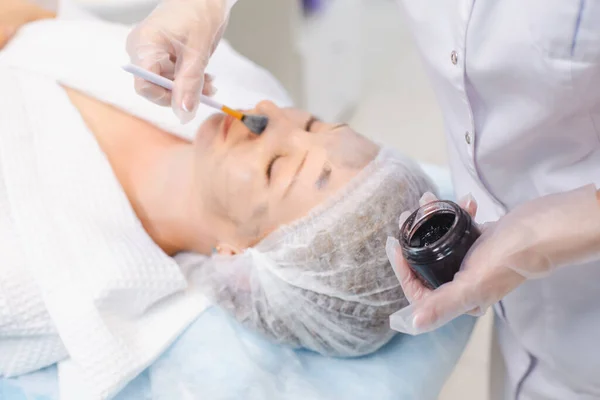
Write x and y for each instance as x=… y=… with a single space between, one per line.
x=418 y=321
x=188 y=104
x=467 y=200
x=403 y=217
x=478 y=312
x=209 y=88
x=404 y=321
x=427 y=198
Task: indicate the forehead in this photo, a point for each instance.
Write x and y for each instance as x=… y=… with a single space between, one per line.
x=347 y=148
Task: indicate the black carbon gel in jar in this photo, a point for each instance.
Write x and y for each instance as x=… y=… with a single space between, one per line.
x=435 y=239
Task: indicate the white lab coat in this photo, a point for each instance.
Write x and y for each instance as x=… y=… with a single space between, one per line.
x=519 y=86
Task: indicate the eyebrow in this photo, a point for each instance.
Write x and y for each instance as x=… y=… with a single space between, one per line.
x=314 y=119
x=295 y=178
x=310 y=123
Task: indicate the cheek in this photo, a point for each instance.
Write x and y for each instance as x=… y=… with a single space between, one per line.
x=236 y=170
x=207 y=133
x=235 y=186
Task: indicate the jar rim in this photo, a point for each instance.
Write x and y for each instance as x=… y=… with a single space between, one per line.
x=442 y=246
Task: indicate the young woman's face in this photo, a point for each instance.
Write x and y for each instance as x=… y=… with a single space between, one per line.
x=251 y=184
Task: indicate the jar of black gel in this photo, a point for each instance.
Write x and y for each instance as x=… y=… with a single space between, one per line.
x=435 y=239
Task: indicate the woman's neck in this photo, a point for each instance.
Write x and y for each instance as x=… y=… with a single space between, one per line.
x=160 y=190
x=155 y=170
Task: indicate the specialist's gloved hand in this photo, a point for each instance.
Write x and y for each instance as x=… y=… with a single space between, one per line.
x=529 y=242
x=176 y=41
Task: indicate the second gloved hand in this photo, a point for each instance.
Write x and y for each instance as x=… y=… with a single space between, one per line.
x=530 y=242
x=176 y=41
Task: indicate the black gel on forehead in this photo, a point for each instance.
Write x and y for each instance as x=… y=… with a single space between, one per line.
x=323 y=177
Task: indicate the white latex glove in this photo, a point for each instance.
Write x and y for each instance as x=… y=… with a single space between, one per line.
x=176 y=41
x=529 y=242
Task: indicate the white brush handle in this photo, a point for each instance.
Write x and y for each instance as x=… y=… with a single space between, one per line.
x=165 y=83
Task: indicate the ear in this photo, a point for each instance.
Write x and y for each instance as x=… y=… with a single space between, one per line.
x=225 y=249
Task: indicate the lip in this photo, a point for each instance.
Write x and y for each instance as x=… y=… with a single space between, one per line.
x=227 y=121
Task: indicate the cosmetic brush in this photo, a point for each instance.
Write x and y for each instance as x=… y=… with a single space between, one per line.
x=256 y=123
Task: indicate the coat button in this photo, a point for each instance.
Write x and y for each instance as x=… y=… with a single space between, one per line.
x=468 y=137
x=454 y=57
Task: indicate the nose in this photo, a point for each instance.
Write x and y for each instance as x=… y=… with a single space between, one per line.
x=267 y=108
x=278 y=120
x=279 y=130
x=258 y=119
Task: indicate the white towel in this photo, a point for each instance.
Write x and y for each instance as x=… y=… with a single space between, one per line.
x=79 y=276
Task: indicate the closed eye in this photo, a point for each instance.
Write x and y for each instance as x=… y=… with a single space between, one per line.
x=270 y=167
x=310 y=123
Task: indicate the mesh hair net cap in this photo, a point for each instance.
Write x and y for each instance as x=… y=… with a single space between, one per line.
x=324 y=282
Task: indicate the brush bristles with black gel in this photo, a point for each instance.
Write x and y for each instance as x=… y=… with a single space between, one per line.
x=256 y=123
